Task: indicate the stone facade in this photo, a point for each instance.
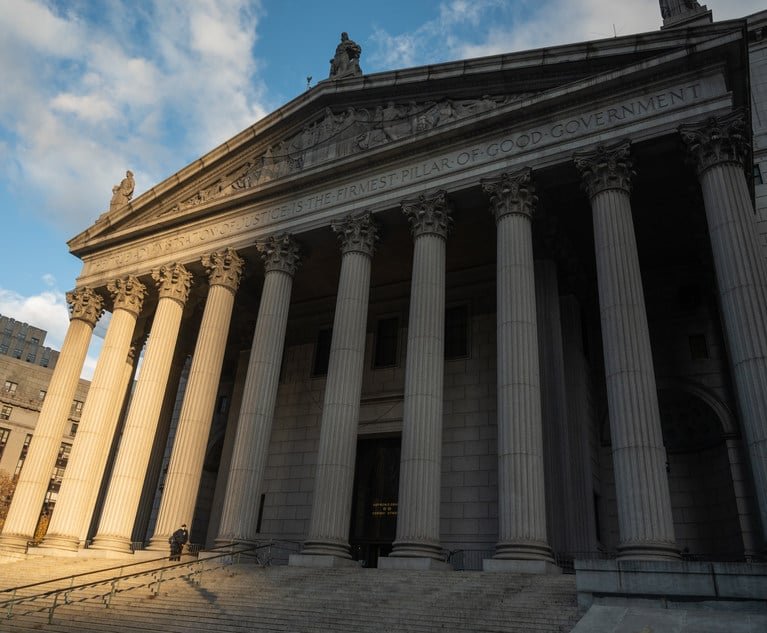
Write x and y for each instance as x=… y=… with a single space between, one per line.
x=500 y=331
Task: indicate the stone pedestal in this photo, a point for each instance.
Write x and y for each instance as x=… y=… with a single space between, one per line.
x=254 y=427
x=718 y=146
x=331 y=507
x=124 y=493
x=96 y=430
x=186 y=461
x=521 y=493
x=86 y=308
x=639 y=457
x=421 y=457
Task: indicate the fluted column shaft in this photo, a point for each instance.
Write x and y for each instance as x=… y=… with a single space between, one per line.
x=719 y=146
x=331 y=507
x=521 y=492
x=86 y=307
x=421 y=457
x=124 y=492
x=254 y=427
x=639 y=457
x=97 y=423
x=186 y=460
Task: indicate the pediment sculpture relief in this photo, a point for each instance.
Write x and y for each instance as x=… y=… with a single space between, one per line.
x=338 y=134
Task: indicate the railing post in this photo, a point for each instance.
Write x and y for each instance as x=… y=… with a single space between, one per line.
x=52 y=608
x=158 y=583
x=10 y=605
x=112 y=592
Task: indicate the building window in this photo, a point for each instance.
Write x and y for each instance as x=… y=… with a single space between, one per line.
x=22 y=455
x=34 y=340
x=5 y=412
x=73 y=429
x=223 y=404
x=457 y=332
x=322 y=352
x=17 y=353
x=387 y=340
x=4 y=433
x=4 y=348
x=31 y=357
x=77 y=407
x=10 y=387
x=41 y=395
x=698 y=347
x=63 y=456
x=758 y=179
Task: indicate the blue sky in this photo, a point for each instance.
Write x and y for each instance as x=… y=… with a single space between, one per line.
x=94 y=87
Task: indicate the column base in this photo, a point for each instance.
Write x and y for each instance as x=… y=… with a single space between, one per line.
x=320 y=560
x=158 y=544
x=648 y=551
x=117 y=544
x=326 y=548
x=524 y=550
x=413 y=563
x=403 y=549
x=542 y=567
x=14 y=543
x=60 y=543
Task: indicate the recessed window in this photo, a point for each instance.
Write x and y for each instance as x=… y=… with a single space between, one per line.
x=457 y=332
x=4 y=348
x=698 y=347
x=10 y=386
x=73 y=429
x=223 y=404
x=41 y=395
x=22 y=455
x=31 y=357
x=4 y=433
x=77 y=406
x=322 y=352
x=758 y=178
x=5 y=412
x=387 y=339
x=16 y=353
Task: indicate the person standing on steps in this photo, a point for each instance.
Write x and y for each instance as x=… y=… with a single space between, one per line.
x=177 y=541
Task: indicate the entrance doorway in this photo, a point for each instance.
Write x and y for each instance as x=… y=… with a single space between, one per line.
x=374 y=504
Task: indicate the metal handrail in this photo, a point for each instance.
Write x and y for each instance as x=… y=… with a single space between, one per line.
x=113 y=582
x=99 y=571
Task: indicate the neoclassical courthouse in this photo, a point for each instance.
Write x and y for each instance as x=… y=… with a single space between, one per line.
x=514 y=306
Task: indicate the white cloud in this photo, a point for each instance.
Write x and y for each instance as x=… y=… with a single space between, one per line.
x=149 y=87
x=48 y=310
x=502 y=26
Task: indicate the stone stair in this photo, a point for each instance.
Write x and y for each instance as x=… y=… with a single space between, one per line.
x=245 y=597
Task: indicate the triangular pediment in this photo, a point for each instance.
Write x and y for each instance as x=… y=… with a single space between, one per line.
x=362 y=118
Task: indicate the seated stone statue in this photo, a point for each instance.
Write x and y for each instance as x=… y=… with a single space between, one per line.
x=346 y=62
x=122 y=193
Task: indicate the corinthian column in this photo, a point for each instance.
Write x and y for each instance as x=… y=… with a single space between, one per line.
x=254 y=426
x=331 y=508
x=522 y=540
x=186 y=460
x=719 y=147
x=86 y=308
x=98 y=421
x=639 y=457
x=124 y=492
x=421 y=459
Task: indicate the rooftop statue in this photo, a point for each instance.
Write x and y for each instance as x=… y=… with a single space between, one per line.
x=346 y=62
x=122 y=193
x=673 y=8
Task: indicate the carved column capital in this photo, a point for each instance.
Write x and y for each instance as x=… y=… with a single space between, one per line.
x=173 y=281
x=85 y=304
x=128 y=294
x=357 y=234
x=280 y=252
x=224 y=268
x=606 y=167
x=511 y=194
x=717 y=140
x=428 y=214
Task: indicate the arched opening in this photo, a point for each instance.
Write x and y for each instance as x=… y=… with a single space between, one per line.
x=700 y=481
